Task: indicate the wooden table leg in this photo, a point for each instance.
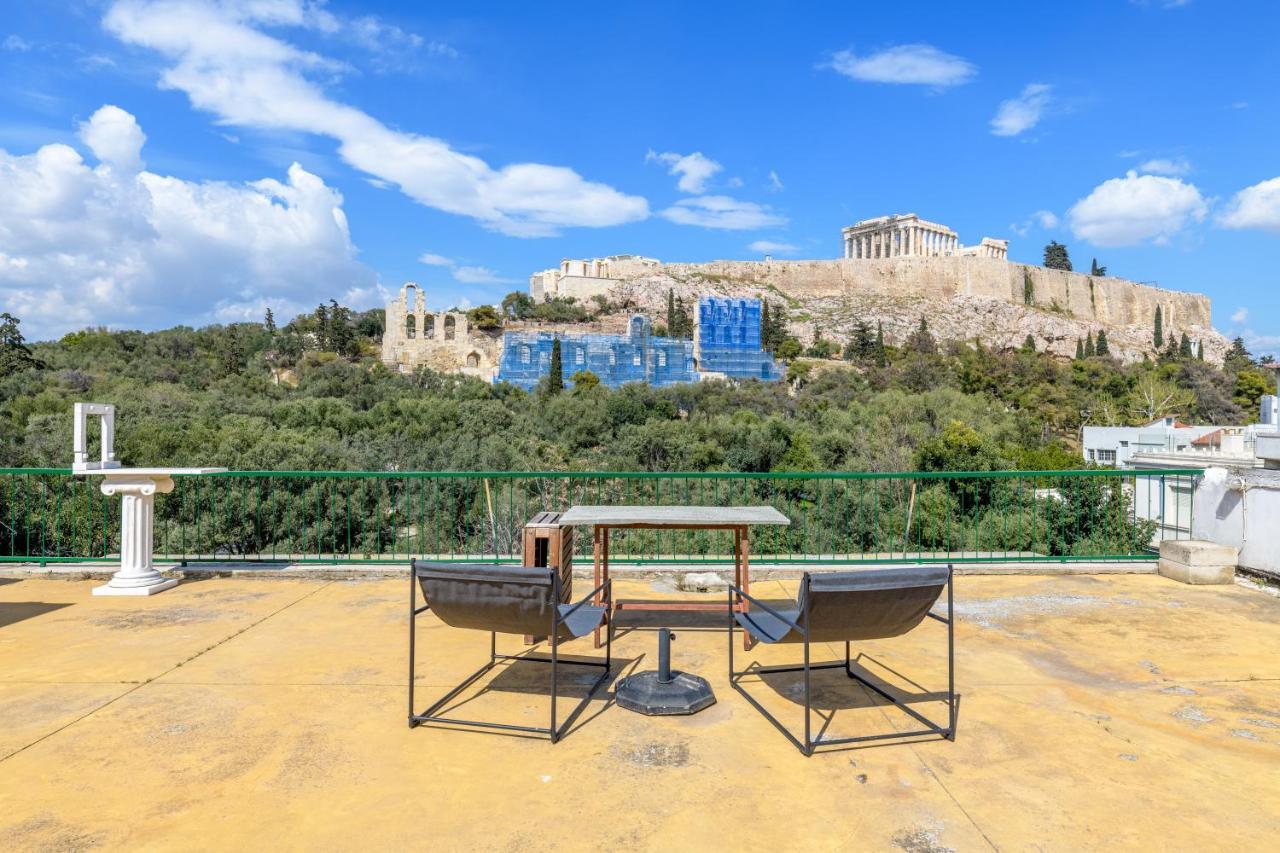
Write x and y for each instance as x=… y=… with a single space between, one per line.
x=596 y=547
x=745 y=548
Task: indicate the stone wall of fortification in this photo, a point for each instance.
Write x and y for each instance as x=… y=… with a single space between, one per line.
x=963 y=297
x=1106 y=300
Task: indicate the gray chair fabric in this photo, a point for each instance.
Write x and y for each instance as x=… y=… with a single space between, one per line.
x=504 y=599
x=870 y=604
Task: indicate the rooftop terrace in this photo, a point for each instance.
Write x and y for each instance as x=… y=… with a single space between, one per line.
x=1117 y=710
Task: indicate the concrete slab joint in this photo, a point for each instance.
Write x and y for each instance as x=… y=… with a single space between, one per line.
x=1196 y=561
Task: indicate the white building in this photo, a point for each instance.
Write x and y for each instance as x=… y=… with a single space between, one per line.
x=579 y=279
x=907 y=235
x=1111 y=445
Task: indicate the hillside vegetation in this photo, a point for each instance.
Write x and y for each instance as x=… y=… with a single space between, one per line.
x=312 y=395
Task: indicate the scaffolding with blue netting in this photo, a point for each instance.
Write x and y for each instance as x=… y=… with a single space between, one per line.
x=729 y=339
x=638 y=356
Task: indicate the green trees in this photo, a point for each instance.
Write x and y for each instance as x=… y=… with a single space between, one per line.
x=1055 y=256
x=1102 y=347
x=555 y=376
x=1184 y=347
x=485 y=318
x=1079 y=349
x=1096 y=270
x=1090 y=350
x=1158 y=335
x=679 y=319
x=15 y=355
x=1029 y=345
x=516 y=305
x=1028 y=288
x=922 y=340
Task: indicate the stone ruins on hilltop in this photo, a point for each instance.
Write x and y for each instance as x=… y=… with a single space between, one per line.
x=894 y=270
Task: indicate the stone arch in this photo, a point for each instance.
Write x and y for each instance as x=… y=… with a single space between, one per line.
x=473 y=359
x=410 y=326
x=450 y=327
x=429 y=326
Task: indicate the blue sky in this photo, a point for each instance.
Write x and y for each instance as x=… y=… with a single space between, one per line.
x=190 y=161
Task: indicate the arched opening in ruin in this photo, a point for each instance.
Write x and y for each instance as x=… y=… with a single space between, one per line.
x=429 y=327
x=473 y=359
x=411 y=327
x=450 y=326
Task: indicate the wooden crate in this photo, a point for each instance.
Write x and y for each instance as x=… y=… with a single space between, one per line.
x=549 y=543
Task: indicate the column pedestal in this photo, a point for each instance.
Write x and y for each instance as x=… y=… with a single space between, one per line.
x=138 y=574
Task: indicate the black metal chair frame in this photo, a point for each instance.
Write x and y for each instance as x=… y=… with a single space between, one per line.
x=554 y=732
x=808 y=745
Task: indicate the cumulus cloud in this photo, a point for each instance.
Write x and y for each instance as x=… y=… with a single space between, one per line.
x=220 y=56
x=1173 y=167
x=114 y=138
x=479 y=275
x=1135 y=209
x=920 y=64
x=694 y=169
x=1241 y=315
x=1257 y=206
x=770 y=247
x=116 y=245
x=431 y=259
x=723 y=212
x=1020 y=114
x=1045 y=220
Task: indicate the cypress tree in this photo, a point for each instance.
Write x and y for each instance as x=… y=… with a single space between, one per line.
x=1103 y=348
x=1159 y=335
x=1184 y=346
x=672 y=329
x=882 y=358
x=1089 y=350
x=270 y=322
x=1079 y=349
x=555 y=379
x=765 y=331
x=1029 y=345
x=1200 y=351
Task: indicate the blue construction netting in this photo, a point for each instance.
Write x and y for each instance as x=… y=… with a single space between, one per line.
x=638 y=356
x=729 y=339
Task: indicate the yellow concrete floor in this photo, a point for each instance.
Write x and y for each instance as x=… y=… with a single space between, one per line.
x=1120 y=712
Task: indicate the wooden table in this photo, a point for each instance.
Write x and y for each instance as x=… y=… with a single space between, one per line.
x=738 y=519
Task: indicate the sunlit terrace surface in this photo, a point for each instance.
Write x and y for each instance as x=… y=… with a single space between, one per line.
x=1119 y=710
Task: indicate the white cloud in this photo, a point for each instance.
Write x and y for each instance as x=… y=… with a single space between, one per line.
x=770 y=247
x=1174 y=167
x=479 y=275
x=16 y=43
x=114 y=138
x=1020 y=114
x=723 y=212
x=1241 y=315
x=88 y=245
x=920 y=64
x=1136 y=208
x=1257 y=206
x=431 y=259
x=694 y=169
x=734 y=182
x=1046 y=220
x=775 y=183
x=228 y=66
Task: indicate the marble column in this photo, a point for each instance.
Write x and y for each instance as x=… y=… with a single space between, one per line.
x=137 y=574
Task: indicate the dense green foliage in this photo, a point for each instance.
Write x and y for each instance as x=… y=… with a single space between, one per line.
x=312 y=395
x=1056 y=257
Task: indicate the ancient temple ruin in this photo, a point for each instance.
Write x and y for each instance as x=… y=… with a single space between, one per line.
x=441 y=340
x=907 y=235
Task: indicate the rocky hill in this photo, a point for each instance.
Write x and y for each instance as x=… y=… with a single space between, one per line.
x=963 y=297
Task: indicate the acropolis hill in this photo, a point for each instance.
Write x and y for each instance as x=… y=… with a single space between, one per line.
x=911 y=269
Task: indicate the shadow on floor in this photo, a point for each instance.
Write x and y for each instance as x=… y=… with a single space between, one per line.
x=16 y=611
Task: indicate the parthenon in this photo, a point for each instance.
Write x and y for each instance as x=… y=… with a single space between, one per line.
x=908 y=235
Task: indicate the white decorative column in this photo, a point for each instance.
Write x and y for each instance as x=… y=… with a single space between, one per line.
x=138 y=574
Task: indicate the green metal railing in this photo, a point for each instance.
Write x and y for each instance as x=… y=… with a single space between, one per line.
x=48 y=515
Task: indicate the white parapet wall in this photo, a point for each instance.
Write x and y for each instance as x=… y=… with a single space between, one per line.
x=1241 y=507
